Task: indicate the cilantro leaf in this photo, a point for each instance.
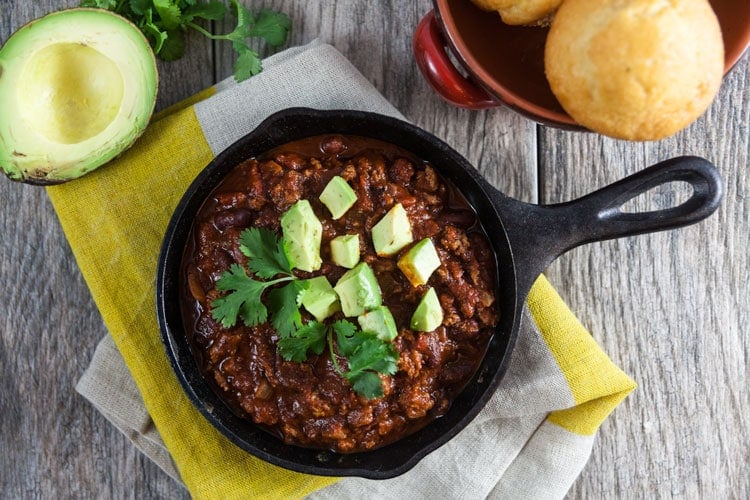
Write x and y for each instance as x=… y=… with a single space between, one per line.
x=173 y=46
x=211 y=11
x=310 y=337
x=245 y=19
x=284 y=304
x=370 y=357
x=345 y=331
x=139 y=6
x=265 y=251
x=154 y=33
x=100 y=4
x=367 y=384
x=266 y=259
x=272 y=26
x=269 y=25
x=373 y=354
x=169 y=12
x=247 y=64
x=244 y=297
x=253 y=312
x=156 y=36
x=367 y=356
x=164 y=22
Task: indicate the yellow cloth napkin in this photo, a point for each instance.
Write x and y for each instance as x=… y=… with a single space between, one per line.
x=115 y=219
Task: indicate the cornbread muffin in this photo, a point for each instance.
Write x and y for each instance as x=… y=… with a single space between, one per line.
x=635 y=69
x=529 y=12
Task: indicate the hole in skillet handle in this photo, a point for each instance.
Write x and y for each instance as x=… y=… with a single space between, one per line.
x=659 y=197
x=540 y=233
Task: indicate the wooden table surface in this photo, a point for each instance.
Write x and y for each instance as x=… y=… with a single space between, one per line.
x=670 y=308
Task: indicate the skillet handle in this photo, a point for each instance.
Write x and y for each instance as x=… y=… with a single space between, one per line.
x=540 y=233
x=598 y=216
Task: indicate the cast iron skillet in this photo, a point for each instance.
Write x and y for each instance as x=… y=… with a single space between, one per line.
x=525 y=238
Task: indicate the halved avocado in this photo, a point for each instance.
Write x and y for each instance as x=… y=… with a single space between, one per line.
x=77 y=87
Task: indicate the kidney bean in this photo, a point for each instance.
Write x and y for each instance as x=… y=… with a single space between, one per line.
x=333 y=145
x=238 y=217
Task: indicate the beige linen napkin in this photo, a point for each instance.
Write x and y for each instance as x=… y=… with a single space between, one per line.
x=533 y=437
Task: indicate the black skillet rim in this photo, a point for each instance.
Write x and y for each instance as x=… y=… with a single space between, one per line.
x=391 y=460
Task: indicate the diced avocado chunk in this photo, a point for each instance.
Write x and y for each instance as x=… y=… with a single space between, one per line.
x=380 y=322
x=302 y=233
x=429 y=313
x=338 y=196
x=392 y=232
x=358 y=290
x=345 y=250
x=419 y=262
x=320 y=299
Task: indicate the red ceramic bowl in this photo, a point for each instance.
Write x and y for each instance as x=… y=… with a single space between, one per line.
x=500 y=65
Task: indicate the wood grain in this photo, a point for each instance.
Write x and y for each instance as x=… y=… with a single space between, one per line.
x=670 y=308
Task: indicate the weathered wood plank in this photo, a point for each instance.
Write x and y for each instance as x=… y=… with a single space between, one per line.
x=53 y=441
x=376 y=37
x=671 y=309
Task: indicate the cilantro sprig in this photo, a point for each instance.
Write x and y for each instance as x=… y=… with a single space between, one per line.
x=244 y=300
x=356 y=355
x=366 y=355
x=265 y=252
x=309 y=338
x=165 y=22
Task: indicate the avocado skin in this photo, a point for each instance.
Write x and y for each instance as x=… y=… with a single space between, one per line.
x=36 y=178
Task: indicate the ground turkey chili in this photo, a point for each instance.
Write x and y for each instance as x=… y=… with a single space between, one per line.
x=309 y=403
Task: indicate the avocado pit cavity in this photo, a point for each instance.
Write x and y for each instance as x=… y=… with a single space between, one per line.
x=70 y=92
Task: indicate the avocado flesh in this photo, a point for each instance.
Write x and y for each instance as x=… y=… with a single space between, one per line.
x=358 y=290
x=380 y=322
x=77 y=87
x=419 y=262
x=345 y=250
x=338 y=196
x=392 y=232
x=320 y=299
x=429 y=314
x=302 y=232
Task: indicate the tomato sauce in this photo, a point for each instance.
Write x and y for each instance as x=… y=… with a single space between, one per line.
x=309 y=403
